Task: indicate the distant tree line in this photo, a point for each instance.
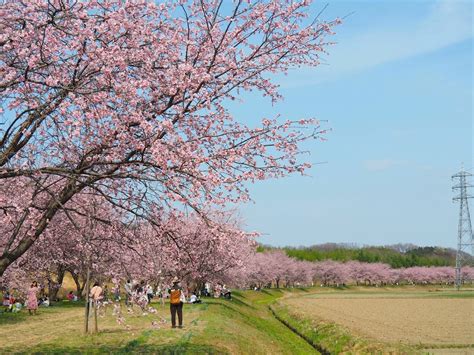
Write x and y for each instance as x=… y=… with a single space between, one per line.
x=397 y=256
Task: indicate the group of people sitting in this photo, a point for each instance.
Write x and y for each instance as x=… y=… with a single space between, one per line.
x=14 y=304
x=10 y=303
x=222 y=291
x=72 y=297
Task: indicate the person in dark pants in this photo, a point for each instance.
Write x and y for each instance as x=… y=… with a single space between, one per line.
x=176 y=303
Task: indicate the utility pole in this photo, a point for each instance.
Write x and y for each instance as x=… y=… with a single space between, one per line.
x=465 y=236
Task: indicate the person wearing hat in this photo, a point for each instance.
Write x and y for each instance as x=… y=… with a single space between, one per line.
x=176 y=303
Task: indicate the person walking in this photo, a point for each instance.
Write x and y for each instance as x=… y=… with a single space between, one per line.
x=176 y=303
x=32 y=303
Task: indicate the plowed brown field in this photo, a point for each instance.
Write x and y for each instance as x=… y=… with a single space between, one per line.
x=414 y=321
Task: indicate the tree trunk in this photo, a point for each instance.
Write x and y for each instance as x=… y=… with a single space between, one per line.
x=54 y=286
x=86 y=321
x=77 y=281
x=53 y=206
x=96 y=326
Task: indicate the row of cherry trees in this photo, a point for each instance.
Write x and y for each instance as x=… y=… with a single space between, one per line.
x=124 y=103
x=336 y=273
x=228 y=257
x=92 y=239
x=277 y=269
x=118 y=156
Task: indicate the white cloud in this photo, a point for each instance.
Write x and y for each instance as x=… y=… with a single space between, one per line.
x=447 y=22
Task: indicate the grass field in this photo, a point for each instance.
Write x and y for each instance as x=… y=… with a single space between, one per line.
x=246 y=325
x=243 y=325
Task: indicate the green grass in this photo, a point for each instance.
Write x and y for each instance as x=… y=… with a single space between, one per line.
x=243 y=325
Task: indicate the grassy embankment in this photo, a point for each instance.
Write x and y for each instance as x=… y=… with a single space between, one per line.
x=243 y=325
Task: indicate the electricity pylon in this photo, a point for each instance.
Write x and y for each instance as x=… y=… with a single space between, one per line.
x=465 y=236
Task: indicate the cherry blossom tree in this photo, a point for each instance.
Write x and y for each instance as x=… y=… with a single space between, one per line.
x=331 y=272
x=81 y=238
x=467 y=274
x=194 y=249
x=127 y=99
x=370 y=273
x=256 y=273
x=272 y=267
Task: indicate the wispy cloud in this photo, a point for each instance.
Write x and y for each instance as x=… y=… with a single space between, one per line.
x=445 y=23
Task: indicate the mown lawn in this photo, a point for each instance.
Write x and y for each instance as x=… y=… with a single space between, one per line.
x=243 y=325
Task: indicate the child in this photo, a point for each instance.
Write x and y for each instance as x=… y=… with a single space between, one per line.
x=16 y=307
x=70 y=296
x=6 y=300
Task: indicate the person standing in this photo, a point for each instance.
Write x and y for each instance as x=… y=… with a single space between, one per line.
x=117 y=293
x=95 y=296
x=176 y=304
x=32 y=299
x=128 y=292
x=161 y=293
x=96 y=293
x=105 y=293
x=149 y=292
x=139 y=295
x=208 y=289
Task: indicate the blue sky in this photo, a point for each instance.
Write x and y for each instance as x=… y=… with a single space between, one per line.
x=397 y=93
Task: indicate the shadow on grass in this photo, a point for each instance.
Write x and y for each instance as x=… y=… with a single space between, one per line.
x=22 y=316
x=229 y=307
x=302 y=289
x=238 y=301
x=68 y=304
x=131 y=348
x=136 y=346
x=112 y=331
x=13 y=318
x=218 y=303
